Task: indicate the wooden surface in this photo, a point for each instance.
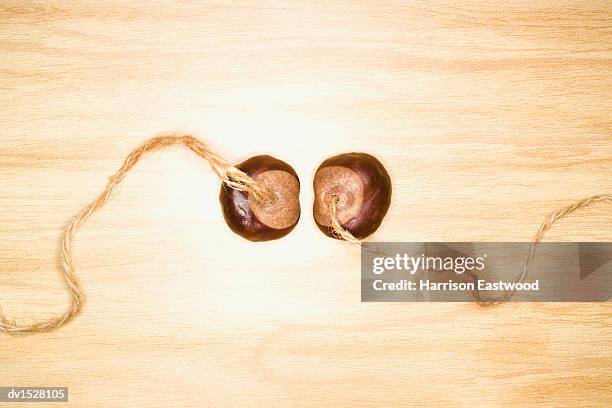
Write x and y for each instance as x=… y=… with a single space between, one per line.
x=487 y=115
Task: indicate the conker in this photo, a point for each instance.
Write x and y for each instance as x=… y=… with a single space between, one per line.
x=363 y=190
x=263 y=221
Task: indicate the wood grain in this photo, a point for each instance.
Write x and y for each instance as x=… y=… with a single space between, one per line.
x=487 y=115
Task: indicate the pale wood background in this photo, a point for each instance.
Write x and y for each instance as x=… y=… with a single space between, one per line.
x=488 y=115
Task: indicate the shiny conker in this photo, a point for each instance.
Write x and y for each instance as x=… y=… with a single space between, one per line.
x=267 y=221
x=362 y=189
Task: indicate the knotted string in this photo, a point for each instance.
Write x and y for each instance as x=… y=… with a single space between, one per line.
x=544 y=227
x=339 y=231
x=228 y=174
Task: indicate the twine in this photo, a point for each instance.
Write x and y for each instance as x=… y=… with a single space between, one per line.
x=339 y=231
x=546 y=225
x=228 y=174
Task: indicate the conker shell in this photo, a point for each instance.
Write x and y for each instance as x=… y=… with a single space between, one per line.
x=259 y=222
x=363 y=188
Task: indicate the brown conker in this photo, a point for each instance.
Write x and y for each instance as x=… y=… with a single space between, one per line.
x=263 y=221
x=363 y=190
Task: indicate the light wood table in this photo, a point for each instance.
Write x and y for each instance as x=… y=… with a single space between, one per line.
x=488 y=115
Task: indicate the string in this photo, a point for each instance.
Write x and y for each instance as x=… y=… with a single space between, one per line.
x=228 y=174
x=548 y=223
x=339 y=231
x=342 y=233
